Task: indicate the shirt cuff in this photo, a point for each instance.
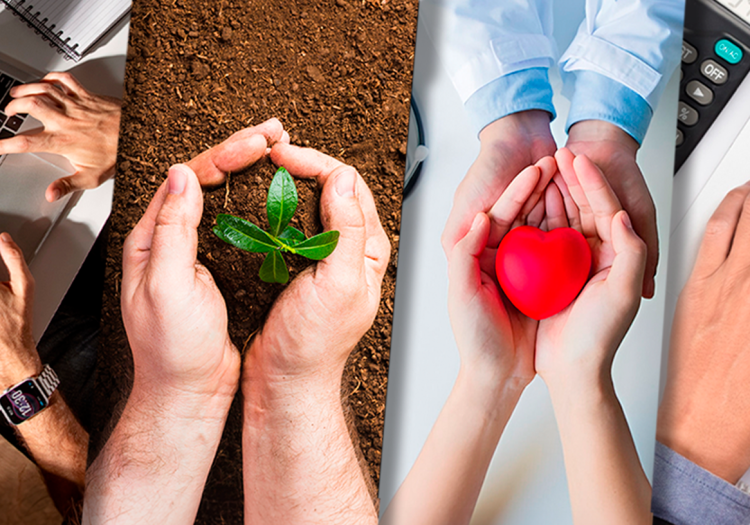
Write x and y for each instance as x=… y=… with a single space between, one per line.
x=520 y=91
x=597 y=97
x=687 y=494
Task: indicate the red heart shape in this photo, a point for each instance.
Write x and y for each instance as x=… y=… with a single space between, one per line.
x=542 y=272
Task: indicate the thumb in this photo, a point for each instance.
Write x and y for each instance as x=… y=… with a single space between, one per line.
x=340 y=210
x=21 y=281
x=464 y=273
x=81 y=180
x=175 y=239
x=629 y=264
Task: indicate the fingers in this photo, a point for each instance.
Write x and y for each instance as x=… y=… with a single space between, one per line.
x=504 y=212
x=236 y=153
x=556 y=213
x=21 y=282
x=27 y=144
x=174 y=243
x=41 y=107
x=47 y=89
x=547 y=168
x=600 y=197
x=464 y=273
x=68 y=83
x=341 y=211
x=565 y=159
x=629 y=264
x=720 y=232
x=83 y=180
x=304 y=162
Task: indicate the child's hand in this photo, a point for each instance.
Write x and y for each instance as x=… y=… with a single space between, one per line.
x=495 y=340
x=579 y=343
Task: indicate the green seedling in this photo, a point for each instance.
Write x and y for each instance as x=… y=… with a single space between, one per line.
x=280 y=237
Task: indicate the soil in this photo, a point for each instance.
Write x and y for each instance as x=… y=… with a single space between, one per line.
x=338 y=75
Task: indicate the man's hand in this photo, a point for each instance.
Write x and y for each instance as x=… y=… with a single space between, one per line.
x=78 y=125
x=614 y=152
x=508 y=145
x=55 y=440
x=237 y=152
x=174 y=315
x=300 y=464
x=18 y=356
x=705 y=413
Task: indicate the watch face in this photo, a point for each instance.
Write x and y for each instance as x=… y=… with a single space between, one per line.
x=22 y=402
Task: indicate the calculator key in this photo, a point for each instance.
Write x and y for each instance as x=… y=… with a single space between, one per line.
x=14 y=123
x=714 y=72
x=5 y=134
x=687 y=115
x=729 y=51
x=689 y=53
x=680 y=137
x=699 y=92
x=2 y=119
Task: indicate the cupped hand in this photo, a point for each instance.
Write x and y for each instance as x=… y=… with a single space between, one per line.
x=174 y=315
x=705 y=413
x=79 y=125
x=508 y=146
x=613 y=151
x=18 y=356
x=495 y=340
x=579 y=343
x=320 y=317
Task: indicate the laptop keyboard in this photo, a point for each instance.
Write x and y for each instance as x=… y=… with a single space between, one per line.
x=9 y=126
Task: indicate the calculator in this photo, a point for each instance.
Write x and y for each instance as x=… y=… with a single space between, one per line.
x=715 y=60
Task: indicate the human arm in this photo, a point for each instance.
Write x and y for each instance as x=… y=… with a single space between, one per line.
x=79 y=125
x=54 y=438
x=496 y=345
x=575 y=349
x=153 y=467
x=703 y=415
x=299 y=461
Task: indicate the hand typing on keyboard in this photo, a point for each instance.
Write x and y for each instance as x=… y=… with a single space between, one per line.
x=79 y=125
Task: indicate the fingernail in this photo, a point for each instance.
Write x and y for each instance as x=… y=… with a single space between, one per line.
x=626 y=221
x=55 y=194
x=5 y=237
x=346 y=183
x=476 y=222
x=13 y=92
x=177 y=180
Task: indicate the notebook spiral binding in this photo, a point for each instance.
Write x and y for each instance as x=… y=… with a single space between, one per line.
x=24 y=10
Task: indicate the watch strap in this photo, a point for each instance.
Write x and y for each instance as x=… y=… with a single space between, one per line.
x=47 y=381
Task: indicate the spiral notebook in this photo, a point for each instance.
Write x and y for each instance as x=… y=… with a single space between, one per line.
x=74 y=26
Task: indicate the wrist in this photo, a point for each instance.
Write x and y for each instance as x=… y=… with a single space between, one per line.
x=580 y=385
x=487 y=392
x=525 y=126
x=16 y=369
x=601 y=131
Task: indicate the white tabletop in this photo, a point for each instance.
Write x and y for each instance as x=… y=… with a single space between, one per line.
x=101 y=71
x=526 y=482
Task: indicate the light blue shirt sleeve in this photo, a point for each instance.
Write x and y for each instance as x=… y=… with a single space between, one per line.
x=686 y=494
x=633 y=43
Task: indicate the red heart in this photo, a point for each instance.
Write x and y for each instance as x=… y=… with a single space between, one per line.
x=542 y=272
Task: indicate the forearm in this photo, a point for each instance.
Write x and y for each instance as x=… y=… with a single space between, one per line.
x=155 y=464
x=605 y=477
x=443 y=485
x=298 y=458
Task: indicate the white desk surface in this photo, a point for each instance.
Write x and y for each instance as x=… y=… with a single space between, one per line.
x=526 y=482
x=102 y=71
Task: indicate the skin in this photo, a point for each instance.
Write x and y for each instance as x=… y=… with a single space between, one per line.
x=299 y=461
x=510 y=144
x=74 y=119
x=501 y=350
x=704 y=413
x=53 y=438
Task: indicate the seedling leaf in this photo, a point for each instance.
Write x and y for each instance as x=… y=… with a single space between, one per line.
x=292 y=236
x=273 y=269
x=282 y=201
x=243 y=234
x=319 y=246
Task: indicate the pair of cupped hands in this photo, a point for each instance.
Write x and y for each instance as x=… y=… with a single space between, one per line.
x=502 y=347
x=175 y=316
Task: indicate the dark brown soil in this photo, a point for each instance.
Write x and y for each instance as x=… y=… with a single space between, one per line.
x=338 y=75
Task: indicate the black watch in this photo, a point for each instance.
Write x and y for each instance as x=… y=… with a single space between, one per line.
x=29 y=397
